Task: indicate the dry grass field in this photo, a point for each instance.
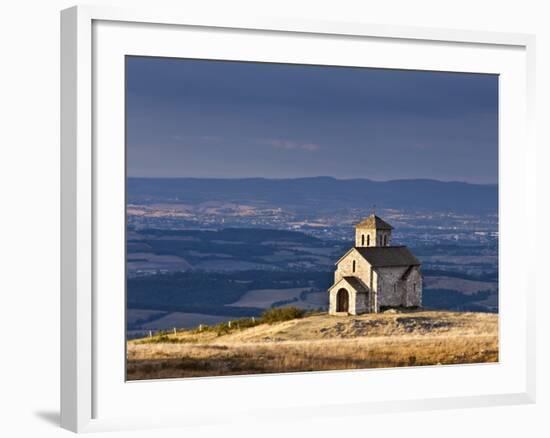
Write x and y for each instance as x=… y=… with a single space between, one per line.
x=319 y=342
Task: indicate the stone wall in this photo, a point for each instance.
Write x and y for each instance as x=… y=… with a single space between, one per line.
x=345 y=268
x=361 y=304
x=358 y=302
x=332 y=301
x=392 y=291
x=414 y=288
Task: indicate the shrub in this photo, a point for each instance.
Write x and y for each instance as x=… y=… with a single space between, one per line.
x=278 y=314
x=223 y=328
x=166 y=339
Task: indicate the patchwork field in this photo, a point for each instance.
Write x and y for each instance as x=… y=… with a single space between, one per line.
x=318 y=342
x=226 y=250
x=459 y=284
x=241 y=272
x=140 y=261
x=264 y=298
x=139 y=316
x=300 y=297
x=183 y=320
x=462 y=259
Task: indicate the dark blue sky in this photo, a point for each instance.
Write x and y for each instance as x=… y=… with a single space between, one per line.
x=235 y=119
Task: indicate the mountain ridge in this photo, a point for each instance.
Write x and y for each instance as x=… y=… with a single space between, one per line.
x=300 y=178
x=320 y=193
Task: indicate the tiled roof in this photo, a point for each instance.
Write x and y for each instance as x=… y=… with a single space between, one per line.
x=374 y=221
x=380 y=256
x=354 y=282
x=357 y=284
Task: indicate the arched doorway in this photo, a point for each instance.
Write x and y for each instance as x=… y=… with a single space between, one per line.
x=342 y=300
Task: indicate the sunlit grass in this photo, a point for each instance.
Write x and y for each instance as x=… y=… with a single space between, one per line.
x=321 y=342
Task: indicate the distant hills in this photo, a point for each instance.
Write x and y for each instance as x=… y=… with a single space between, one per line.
x=320 y=193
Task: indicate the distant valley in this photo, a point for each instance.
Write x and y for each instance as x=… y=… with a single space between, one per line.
x=215 y=249
x=182 y=278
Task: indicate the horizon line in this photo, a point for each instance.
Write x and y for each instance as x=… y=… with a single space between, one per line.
x=314 y=177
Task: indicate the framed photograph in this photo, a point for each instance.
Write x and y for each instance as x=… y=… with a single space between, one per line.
x=258 y=208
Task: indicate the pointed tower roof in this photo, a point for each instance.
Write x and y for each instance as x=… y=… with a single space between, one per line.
x=374 y=221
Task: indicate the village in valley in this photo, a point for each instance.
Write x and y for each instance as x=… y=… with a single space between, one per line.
x=206 y=288
x=372 y=315
x=262 y=255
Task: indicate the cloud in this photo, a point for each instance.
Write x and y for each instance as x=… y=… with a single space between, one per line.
x=293 y=145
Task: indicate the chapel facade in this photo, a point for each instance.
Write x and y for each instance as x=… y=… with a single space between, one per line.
x=374 y=274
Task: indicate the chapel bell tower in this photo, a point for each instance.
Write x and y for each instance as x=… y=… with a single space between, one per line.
x=372 y=231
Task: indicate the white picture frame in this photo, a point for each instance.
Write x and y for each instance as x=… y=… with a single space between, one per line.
x=93 y=39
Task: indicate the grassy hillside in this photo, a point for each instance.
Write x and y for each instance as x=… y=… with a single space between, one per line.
x=318 y=342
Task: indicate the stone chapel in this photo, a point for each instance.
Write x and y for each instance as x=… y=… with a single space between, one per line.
x=374 y=274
